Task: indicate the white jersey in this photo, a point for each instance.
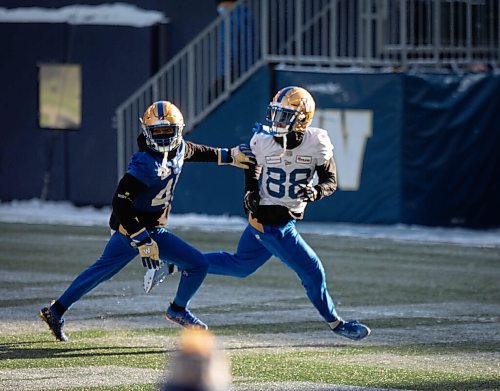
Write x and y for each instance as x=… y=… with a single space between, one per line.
x=284 y=170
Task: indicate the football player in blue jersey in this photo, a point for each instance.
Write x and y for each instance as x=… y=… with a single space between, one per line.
x=140 y=209
x=289 y=153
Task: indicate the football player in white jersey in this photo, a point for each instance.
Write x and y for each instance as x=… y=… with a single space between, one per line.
x=277 y=190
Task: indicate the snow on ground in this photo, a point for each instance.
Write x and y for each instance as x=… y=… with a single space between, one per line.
x=50 y=212
x=117 y=14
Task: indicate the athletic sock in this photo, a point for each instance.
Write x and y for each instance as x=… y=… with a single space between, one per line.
x=334 y=324
x=58 y=309
x=177 y=308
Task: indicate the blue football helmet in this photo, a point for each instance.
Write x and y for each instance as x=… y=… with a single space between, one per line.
x=162 y=125
x=291 y=110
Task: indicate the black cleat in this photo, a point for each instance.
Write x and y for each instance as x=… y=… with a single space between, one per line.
x=55 y=323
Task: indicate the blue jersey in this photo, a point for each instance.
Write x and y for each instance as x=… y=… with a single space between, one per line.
x=145 y=193
x=160 y=176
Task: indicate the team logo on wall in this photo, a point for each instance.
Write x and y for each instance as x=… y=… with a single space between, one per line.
x=349 y=131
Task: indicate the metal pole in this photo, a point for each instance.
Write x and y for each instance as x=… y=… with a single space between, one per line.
x=437 y=31
x=497 y=62
x=264 y=29
x=120 y=143
x=469 y=31
x=333 y=31
x=369 y=19
x=298 y=28
x=190 y=91
x=402 y=34
x=227 y=52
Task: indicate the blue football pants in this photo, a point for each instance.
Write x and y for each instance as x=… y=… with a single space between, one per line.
x=255 y=248
x=118 y=253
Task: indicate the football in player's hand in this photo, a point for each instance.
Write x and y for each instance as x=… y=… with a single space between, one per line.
x=307 y=193
x=251 y=201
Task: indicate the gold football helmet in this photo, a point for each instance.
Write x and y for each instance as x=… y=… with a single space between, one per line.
x=292 y=109
x=162 y=125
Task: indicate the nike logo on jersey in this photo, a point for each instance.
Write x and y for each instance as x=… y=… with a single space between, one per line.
x=273 y=159
x=304 y=159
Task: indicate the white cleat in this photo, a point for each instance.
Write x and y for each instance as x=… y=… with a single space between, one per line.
x=154 y=277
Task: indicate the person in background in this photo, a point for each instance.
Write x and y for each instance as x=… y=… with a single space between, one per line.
x=240 y=42
x=224 y=6
x=141 y=204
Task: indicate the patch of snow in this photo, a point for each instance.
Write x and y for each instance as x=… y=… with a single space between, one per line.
x=116 y=14
x=51 y=212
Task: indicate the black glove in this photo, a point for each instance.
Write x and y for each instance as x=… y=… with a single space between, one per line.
x=240 y=156
x=251 y=201
x=307 y=193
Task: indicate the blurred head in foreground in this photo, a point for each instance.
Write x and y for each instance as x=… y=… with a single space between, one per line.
x=198 y=364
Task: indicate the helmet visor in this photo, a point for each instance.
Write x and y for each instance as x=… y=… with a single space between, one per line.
x=280 y=120
x=163 y=137
x=162 y=131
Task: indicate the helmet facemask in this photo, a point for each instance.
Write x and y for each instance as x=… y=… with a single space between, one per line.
x=280 y=120
x=162 y=137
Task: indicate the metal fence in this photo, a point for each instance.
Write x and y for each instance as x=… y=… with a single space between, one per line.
x=394 y=34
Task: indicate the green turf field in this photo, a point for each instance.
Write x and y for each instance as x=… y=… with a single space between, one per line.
x=434 y=311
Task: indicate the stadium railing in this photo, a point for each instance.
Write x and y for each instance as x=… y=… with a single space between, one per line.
x=398 y=35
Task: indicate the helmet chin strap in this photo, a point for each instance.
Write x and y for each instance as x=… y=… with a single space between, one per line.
x=164 y=165
x=165 y=159
x=174 y=163
x=283 y=152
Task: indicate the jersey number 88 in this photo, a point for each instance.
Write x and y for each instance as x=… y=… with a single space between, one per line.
x=277 y=176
